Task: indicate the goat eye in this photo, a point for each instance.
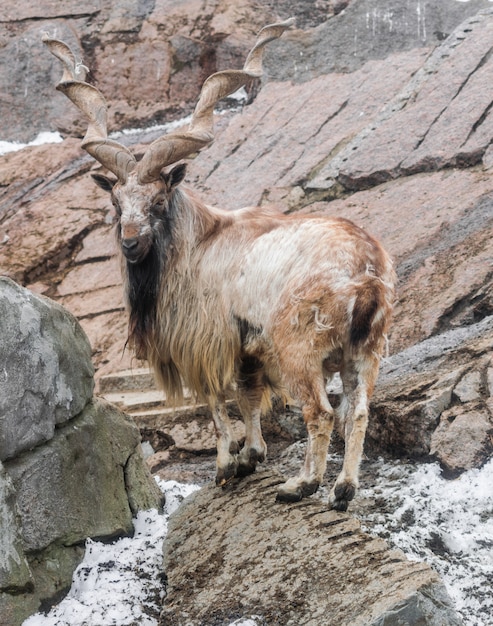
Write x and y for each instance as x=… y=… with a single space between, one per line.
x=158 y=207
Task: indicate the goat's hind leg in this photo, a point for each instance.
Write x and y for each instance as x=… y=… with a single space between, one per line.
x=319 y=419
x=227 y=446
x=358 y=381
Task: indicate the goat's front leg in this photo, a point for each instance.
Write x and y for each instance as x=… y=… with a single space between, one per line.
x=251 y=389
x=227 y=446
x=319 y=424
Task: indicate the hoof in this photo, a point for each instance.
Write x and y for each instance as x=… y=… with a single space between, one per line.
x=309 y=489
x=245 y=469
x=247 y=466
x=234 y=447
x=339 y=505
x=295 y=493
x=225 y=474
x=341 y=496
x=289 y=496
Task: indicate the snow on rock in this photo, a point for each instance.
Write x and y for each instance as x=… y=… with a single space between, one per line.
x=120 y=584
x=448 y=524
x=42 y=138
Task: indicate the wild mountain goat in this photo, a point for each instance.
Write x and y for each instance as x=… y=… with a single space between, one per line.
x=251 y=299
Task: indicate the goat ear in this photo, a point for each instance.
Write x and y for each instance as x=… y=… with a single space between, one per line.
x=176 y=175
x=104 y=182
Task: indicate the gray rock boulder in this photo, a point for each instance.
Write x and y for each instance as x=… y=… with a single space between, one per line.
x=71 y=466
x=46 y=373
x=235 y=553
x=14 y=569
x=435 y=399
x=73 y=487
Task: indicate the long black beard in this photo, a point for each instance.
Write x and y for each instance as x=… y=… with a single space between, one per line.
x=144 y=286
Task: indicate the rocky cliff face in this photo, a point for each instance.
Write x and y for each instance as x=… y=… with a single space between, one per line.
x=149 y=57
x=409 y=160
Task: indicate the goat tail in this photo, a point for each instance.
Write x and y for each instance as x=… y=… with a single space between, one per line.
x=370 y=310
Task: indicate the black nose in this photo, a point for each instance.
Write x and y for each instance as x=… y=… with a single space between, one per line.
x=130 y=244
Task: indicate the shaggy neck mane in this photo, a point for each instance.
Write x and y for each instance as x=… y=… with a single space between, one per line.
x=176 y=233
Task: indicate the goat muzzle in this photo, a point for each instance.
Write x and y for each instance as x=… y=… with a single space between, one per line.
x=135 y=249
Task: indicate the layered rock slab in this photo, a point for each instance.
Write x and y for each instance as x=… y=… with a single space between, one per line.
x=436 y=398
x=236 y=552
x=442 y=117
x=293 y=130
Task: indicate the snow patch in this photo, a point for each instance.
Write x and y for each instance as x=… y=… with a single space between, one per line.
x=120 y=584
x=42 y=138
x=447 y=523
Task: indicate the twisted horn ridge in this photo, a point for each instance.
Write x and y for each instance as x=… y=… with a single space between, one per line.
x=115 y=157
x=169 y=148
x=179 y=144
